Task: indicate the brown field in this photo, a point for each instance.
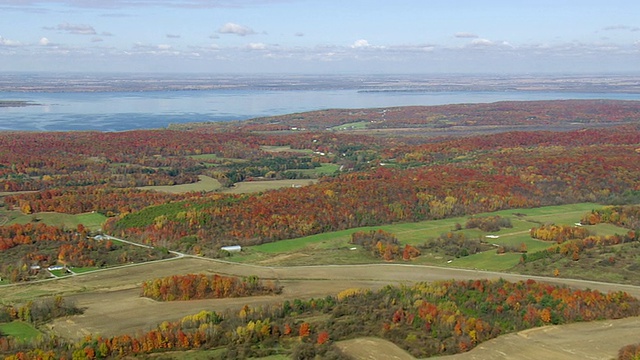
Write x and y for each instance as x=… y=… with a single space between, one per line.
x=246 y=187
x=373 y=348
x=592 y=340
x=112 y=303
x=205 y=183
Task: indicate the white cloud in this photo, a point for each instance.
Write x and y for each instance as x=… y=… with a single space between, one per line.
x=465 y=35
x=77 y=29
x=482 y=42
x=236 y=29
x=256 y=46
x=153 y=49
x=362 y=43
x=7 y=42
x=44 y=41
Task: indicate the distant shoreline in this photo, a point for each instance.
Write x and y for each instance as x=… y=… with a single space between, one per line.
x=16 y=103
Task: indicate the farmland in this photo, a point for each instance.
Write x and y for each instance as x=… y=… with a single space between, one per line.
x=519 y=206
x=113 y=295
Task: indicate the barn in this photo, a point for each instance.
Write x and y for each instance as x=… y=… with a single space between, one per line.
x=232 y=248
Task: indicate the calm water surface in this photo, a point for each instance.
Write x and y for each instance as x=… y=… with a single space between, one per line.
x=117 y=111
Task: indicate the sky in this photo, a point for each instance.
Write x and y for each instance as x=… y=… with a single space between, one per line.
x=321 y=36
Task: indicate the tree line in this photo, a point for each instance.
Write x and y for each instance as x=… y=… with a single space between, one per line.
x=201 y=286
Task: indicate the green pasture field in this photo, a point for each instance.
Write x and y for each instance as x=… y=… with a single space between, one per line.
x=92 y=221
x=205 y=183
x=58 y=273
x=76 y=270
x=246 y=187
x=19 y=330
x=285 y=148
x=204 y=157
x=360 y=125
x=334 y=247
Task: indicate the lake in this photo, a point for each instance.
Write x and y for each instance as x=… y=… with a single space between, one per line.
x=119 y=111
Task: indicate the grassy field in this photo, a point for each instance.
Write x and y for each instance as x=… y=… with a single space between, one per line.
x=334 y=247
x=19 y=330
x=76 y=270
x=205 y=157
x=259 y=186
x=93 y=221
x=205 y=183
x=360 y=125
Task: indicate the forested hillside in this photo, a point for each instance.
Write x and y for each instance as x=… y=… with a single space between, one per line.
x=382 y=178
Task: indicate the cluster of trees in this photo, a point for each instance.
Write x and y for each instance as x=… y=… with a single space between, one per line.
x=488 y=223
x=522 y=248
x=28 y=249
x=426 y=319
x=573 y=240
x=575 y=247
x=629 y=352
x=559 y=233
x=271 y=167
x=383 y=244
x=201 y=286
x=624 y=216
x=102 y=199
x=40 y=311
x=37 y=313
x=456 y=244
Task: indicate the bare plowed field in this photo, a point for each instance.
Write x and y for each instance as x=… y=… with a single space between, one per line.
x=113 y=305
x=594 y=340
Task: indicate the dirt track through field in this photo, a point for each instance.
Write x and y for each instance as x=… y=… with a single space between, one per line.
x=113 y=303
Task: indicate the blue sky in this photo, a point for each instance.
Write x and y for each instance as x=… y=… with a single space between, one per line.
x=321 y=36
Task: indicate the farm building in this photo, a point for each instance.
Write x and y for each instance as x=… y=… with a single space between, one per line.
x=232 y=248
